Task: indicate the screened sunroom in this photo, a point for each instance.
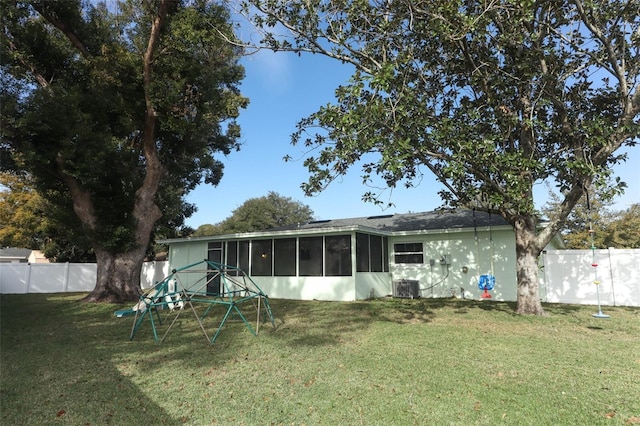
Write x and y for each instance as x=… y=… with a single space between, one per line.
x=431 y=254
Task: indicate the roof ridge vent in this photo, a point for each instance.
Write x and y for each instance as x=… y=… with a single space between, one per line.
x=319 y=221
x=383 y=216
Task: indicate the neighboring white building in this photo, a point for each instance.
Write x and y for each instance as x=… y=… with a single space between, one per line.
x=37 y=256
x=431 y=254
x=21 y=255
x=14 y=255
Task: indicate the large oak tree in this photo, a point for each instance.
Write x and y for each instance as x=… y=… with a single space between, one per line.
x=493 y=97
x=116 y=111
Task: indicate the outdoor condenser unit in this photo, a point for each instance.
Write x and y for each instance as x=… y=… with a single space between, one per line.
x=407 y=289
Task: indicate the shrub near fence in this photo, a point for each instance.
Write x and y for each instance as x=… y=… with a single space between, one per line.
x=65 y=277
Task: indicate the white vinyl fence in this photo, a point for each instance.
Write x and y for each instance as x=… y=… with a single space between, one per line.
x=65 y=277
x=569 y=277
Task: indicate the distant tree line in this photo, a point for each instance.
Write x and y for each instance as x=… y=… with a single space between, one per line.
x=611 y=228
x=24 y=221
x=259 y=214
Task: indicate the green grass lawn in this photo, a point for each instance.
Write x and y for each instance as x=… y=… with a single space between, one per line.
x=382 y=362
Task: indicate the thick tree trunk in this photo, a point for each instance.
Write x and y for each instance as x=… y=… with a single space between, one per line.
x=118 y=274
x=118 y=277
x=527 y=252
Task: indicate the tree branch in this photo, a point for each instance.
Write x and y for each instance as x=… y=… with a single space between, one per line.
x=82 y=203
x=31 y=67
x=62 y=26
x=145 y=195
x=565 y=208
x=315 y=47
x=617 y=68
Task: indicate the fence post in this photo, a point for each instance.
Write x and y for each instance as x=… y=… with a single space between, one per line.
x=66 y=277
x=28 y=278
x=545 y=279
x=613 y=292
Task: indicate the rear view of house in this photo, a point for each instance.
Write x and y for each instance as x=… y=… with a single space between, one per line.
x=431 y=254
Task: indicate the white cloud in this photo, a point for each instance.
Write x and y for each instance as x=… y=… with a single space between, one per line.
x=273 y=71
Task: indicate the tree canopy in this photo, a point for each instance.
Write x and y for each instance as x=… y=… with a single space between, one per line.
x=618 y=229
x=260 y=214
x=21 y=220
x=624 y=230
x=591 y=213
x=117 y=111
x=491 y=97
x=27 y=220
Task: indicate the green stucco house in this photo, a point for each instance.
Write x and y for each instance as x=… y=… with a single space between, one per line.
x=430 y=254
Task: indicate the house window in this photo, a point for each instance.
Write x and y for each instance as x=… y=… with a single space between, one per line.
x=284 y=257
x=232 y=253
x=261 y=257
x=215 y=254
x=310 y=256
x=362 y=253
x=232 y=256
x=408 y=253
x=371 y=253
x=337 y=255
x=375 y=246
x=385 y=254
x=243 y=256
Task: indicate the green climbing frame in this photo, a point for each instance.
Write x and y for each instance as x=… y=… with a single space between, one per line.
x=218 y=287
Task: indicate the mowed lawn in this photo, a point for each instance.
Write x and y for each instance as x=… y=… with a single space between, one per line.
x=380 y=362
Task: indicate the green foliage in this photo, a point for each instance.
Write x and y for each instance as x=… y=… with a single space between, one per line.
x=594 y=215
x=29 y=221
x=22 y=219
x=74 y=109
x=617 y=229
x=259 y=214
x=624 y=230
x=206 y=230
x=491 y=97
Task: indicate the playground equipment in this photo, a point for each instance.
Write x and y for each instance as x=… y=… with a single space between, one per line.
x=597 y=283
x=488 y=281
x=594 y=263
x=202 y=288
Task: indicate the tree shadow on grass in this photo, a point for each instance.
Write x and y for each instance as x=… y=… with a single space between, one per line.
x=74 y=360
x=428 y=309
x=561 y=309
x=320 y=323
x=57 y=367
x=463 y=306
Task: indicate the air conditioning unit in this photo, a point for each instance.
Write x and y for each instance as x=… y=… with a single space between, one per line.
x=407 y=289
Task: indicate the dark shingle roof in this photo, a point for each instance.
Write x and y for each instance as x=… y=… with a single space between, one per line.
x=14 y=252
x=434 y=220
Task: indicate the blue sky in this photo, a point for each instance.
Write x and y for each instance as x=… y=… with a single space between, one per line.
x=282 y=89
